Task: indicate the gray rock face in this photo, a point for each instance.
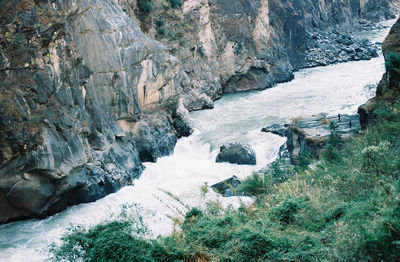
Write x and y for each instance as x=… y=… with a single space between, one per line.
x=389 y=86
x=86 y=97
x=276 y=129
x=236 y=153
x=229 y=46
x=311 y=135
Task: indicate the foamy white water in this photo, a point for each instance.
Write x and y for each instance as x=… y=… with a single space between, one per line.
x=333 y=89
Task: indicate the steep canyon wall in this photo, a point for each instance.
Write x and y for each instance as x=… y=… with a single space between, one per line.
x=90 y=89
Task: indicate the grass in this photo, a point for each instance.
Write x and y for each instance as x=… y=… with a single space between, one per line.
x=347 y=208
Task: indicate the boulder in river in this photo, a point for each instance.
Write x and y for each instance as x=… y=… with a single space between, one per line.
x=276 y=129
x=236 y=153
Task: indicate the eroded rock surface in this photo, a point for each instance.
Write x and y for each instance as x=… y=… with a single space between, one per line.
x=236 y=153
x=226 y=187
x=311 y=135
x=86 y=97
x=388 y=89
x=229 y=46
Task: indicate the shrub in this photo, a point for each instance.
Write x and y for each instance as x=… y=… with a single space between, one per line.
x=335 y=135
x=256 y=185
x=332 y=154
x=175 y=3
x=303 y=161
x=112 y=241
x=145 y=6
x=279 y=170
x=161 y=31
x=287 y=210
x=159 y=22
x=392 y=61
x=252 y=245
x=375 y=159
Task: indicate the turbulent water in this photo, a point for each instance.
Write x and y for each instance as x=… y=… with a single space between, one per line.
x=333 y=89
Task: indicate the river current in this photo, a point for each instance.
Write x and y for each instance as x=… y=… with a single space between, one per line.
x=333 y=89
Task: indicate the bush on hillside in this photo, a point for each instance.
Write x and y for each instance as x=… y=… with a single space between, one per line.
x=145 y=6
x=392 y=61
x=175 y=3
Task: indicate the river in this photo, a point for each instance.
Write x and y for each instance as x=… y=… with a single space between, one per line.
x=334 y=89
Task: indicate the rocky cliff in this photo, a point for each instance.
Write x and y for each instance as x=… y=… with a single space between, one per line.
x=388 y=90
x=90 y=89
x=85 y=96
x=228 y=46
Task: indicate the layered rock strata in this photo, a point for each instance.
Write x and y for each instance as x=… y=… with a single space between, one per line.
x=88 y=94
x=309 y=136
x=85 y=98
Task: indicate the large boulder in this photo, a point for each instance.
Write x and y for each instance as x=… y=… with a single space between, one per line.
x=236 y=153
x=276 y=129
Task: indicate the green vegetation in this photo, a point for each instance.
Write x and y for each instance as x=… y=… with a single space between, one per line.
x=392 y=61
x=159 y=22
x=175 y=3
x=346 y=208
x=143 y=10
x=144 y=6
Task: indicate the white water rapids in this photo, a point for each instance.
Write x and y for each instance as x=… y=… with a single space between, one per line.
x=334 y=89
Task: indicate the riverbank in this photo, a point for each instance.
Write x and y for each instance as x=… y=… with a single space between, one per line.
x=343 y=206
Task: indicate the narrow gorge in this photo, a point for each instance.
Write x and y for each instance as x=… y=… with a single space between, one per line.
x=100 y=95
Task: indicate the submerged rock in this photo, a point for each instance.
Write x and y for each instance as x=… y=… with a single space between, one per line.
x=237 y=153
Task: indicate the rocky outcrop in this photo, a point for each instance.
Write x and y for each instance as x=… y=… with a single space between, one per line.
x=309 y=136
x=85 y=97
x=276 y=129
x=388 y=89
x=236 y=153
